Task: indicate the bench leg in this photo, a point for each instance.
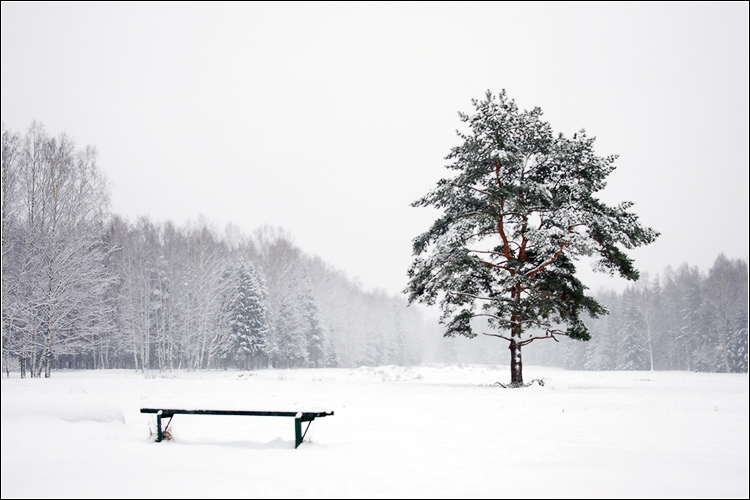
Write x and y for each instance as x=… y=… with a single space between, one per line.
x=159 y=435
x=159 y=431
x=297 y=431
x=298 y=435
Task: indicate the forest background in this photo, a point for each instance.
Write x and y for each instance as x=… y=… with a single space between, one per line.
x=85 y=288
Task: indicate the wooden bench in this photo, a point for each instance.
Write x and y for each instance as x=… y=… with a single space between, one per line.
x=299 y=417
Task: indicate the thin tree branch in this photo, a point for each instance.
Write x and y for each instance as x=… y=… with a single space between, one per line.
x=532 y=339
x=497 y=335
x=464 y=294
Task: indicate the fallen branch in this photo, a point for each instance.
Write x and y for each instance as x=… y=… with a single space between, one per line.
x=539 y=381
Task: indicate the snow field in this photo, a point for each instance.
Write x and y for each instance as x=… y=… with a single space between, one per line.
x=422 y=432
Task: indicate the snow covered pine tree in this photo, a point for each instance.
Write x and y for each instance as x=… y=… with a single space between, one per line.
x=519 y=212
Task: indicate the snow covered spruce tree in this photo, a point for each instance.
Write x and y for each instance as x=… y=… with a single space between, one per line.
x=247 y=316
x=519 y=211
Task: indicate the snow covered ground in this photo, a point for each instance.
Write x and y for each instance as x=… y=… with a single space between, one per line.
x=439 y=432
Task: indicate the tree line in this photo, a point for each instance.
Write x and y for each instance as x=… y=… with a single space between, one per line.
x=83 y=288
x=683 y=319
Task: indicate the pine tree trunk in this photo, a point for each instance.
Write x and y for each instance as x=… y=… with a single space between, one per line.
x=516 y=364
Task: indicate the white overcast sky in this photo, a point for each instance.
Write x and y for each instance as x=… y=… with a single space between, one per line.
x=329 y=119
